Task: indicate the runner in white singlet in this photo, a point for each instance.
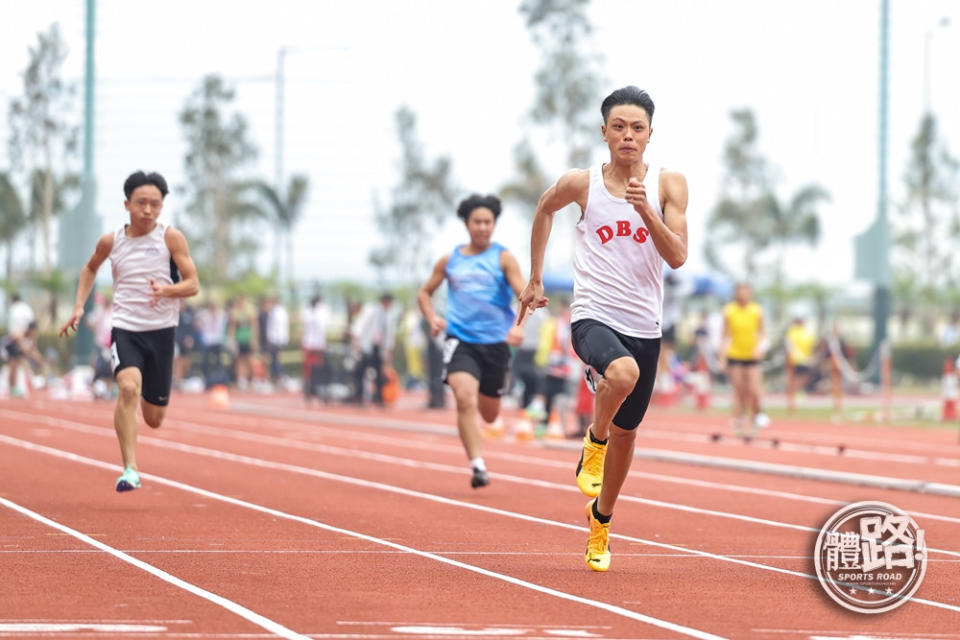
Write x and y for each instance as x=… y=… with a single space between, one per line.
x=152 y=270
x=633 y=220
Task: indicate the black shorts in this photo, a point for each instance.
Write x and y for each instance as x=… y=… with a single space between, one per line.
x=598 y=345
x=152 y=353
x=739 y=362
x=488 y=363
x=13 y=349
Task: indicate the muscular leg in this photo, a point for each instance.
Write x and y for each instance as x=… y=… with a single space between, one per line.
x=153 y=414
x=616 y=465
x=129 y=383
x=489 y=407
x=466 y=391
x=612 y=389
x=737 y=381
x=754 y=387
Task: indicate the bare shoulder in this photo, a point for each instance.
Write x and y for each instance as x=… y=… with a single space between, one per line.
x=673 y=184
x=105 y=243
x=574 y=181
x=174 y=238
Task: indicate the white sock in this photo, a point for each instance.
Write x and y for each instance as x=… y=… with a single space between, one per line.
x=477 y=463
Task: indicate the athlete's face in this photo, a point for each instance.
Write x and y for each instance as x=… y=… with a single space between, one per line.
x=743 y=294
x=480 y=226
x=627 y=132
x=144 y=205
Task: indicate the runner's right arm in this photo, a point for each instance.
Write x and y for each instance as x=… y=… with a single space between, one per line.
x=572 y=186
x=88 y=276
x=425 y=296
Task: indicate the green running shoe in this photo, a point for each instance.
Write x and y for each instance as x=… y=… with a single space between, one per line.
x=129 y=480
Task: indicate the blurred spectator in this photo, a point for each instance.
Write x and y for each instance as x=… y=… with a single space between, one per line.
x=374 y=337
x=100 y=324
x=526 y=370
x=800 y=343
x=950 y=334
x=212 y=325
x=19 y=318
x=436 y=395
x=22 y=354
x=414 y=343
x=674 y=292
x=561 y=360
x=277 y=335
x=187 y=336
x=316 y=320
x=242 y=339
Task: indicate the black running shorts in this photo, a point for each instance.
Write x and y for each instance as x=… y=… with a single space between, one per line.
x=488 y=363
x=598 y=345
x=152 y=353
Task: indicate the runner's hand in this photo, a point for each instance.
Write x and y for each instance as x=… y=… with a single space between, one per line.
x=637 y=195
x=156 y=292
x=437 y=326
x=531 y=299
x=72 y=323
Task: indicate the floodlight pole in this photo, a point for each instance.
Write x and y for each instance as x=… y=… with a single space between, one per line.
x=881 y=300
x=81 y=227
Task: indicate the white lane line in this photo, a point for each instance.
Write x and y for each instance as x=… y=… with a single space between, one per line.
x=281 y=466
x=605 y=606
x=545 y=462
x=400 y=424
x=261 y=621
x=379 y=439
x=459 y=470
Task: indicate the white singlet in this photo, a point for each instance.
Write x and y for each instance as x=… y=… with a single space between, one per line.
x=135 y=261
x=617 y=270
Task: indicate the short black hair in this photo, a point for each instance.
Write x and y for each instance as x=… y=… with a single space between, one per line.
x=139 y=178
x=627 y=95
x=476 y=201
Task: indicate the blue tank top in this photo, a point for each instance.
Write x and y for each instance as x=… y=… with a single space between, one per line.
x=478 y=302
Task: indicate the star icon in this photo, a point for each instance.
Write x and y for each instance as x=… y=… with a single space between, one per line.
x=853 y=591
x=889 y=591
x=870 y=590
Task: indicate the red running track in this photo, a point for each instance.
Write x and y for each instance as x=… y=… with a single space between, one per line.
x=272 y=520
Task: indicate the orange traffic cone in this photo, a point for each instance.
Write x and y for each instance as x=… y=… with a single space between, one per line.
x=948 y=390
x=523 y=428
x=555 y=427
x=219 y=397
x=702 y=384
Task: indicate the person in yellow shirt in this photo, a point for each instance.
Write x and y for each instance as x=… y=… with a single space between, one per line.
x=800 y=344
x=742 y=354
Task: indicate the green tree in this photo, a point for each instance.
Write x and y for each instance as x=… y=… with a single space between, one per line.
x=568 y=86
x=423 y=198
x=218 y=150
x=284 y=210
x=749 y=214
x=13 y=219
x=927 y=229
x=43 y=131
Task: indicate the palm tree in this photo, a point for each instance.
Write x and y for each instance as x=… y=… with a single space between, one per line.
x=284 y=210
x=13 y=219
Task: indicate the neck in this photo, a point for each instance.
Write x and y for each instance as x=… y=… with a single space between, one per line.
x=626 y=170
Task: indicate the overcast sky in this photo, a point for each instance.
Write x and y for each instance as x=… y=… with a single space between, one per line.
x=808 y=70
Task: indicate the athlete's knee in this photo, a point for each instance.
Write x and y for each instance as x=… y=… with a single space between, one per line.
x=622 y=375
x=128 y=389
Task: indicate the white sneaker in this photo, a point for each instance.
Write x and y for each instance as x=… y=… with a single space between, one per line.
x=761 y=421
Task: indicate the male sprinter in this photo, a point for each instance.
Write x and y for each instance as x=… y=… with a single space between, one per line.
x=152 y=269
x=633 y=219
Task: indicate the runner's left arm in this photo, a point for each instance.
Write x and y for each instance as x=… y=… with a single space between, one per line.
x=670 y=234
x=189 y=285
